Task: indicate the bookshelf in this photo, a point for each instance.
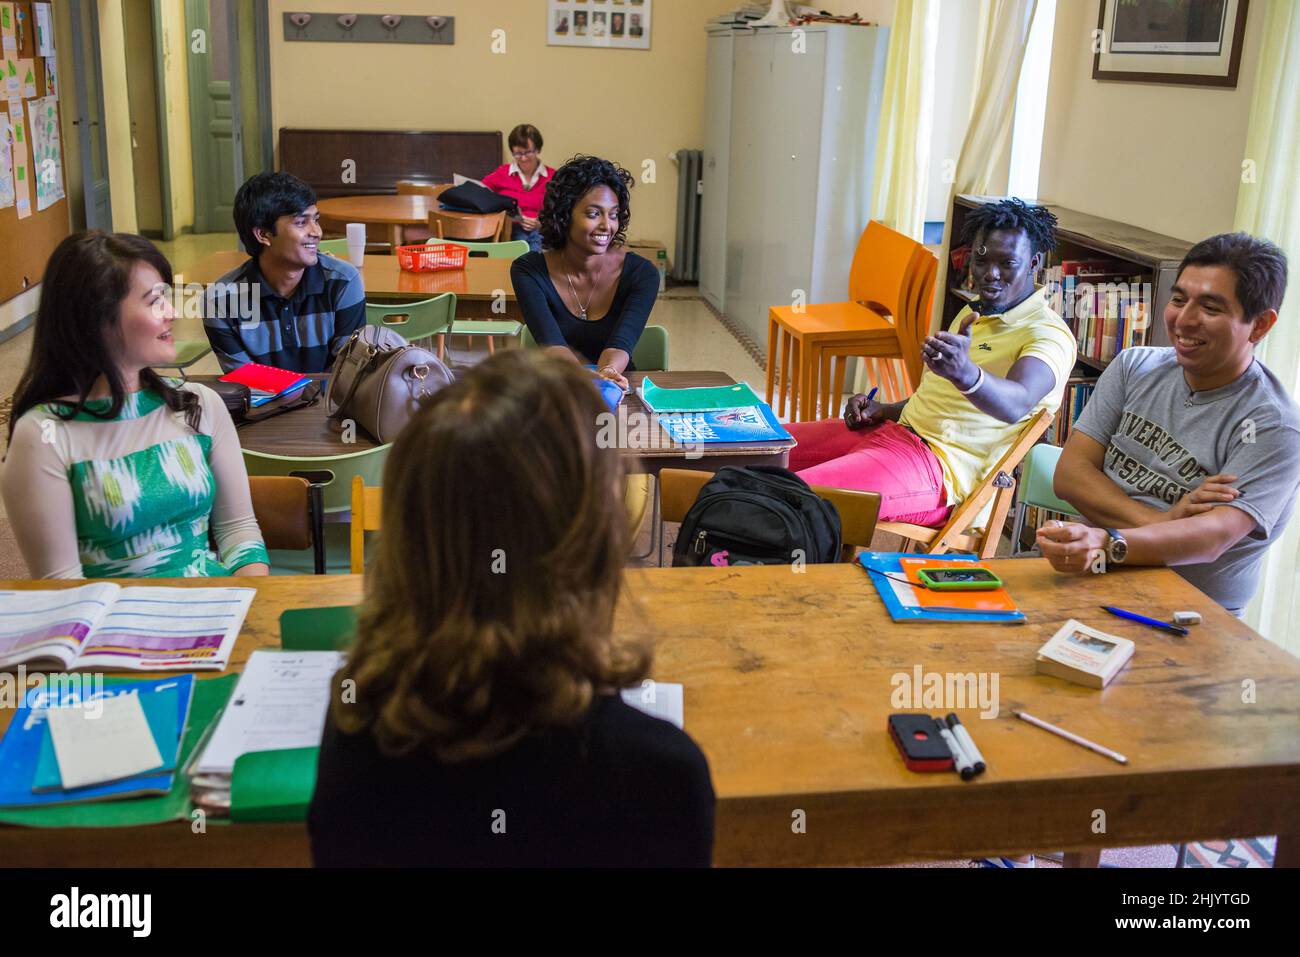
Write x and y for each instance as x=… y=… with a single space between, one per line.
x=1082 y=236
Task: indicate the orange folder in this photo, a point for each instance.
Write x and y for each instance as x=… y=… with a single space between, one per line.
x=996 y=599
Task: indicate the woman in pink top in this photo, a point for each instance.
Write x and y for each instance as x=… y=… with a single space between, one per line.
x=524 y=180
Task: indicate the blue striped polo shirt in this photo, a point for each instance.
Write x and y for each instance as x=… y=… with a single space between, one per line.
x=248 y=321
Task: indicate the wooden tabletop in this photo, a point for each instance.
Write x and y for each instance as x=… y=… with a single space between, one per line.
x=386 y=210
x=788 y=684
x=307 y=431
x=481 y=279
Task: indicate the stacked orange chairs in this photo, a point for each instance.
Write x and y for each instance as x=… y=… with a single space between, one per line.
x=891 y=288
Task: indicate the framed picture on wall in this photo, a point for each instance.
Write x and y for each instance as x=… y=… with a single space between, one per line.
x=1196 y=42
x=619 y=24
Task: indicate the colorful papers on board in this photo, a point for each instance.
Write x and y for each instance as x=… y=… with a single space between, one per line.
x=44 y=29
x=51 y=76
x=27 y=78
x=6 y=164
x=22 y=185
x=47 y=156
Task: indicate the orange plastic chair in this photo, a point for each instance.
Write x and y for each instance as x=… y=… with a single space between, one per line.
x=897 y=377
x=489 y=227
x=883 y=284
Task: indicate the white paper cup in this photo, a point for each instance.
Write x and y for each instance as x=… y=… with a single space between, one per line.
x=357 y=244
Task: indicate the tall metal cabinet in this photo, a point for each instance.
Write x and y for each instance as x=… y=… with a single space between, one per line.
x=789 y=154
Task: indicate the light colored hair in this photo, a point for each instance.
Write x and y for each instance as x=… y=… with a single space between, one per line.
x=489 y=606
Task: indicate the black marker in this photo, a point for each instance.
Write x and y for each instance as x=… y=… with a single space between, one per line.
x=960 y=762
x=967 y=743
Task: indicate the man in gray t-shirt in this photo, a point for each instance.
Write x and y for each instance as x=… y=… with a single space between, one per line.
x=1189 y=456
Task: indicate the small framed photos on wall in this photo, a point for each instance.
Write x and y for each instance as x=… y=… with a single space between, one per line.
x=620 y=24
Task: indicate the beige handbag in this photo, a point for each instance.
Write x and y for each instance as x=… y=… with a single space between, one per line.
x=379 y=380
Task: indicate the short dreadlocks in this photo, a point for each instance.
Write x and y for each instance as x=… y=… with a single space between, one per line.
x=1037 y=222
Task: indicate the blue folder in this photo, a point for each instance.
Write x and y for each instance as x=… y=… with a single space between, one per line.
x=877 y=563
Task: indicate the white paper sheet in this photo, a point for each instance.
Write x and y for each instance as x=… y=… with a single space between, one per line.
x=280 y=702
x=659 y=699
x=106 y=742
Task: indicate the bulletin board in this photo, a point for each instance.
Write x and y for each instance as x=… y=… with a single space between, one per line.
x=27 y=241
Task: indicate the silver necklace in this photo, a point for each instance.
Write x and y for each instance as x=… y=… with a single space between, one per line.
x=581 y=306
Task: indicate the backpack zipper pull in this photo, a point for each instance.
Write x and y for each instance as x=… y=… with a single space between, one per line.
x=699 y=542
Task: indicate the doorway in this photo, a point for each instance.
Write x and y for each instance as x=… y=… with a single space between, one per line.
x=95 y=211
x=153 y=204
x=230 y=103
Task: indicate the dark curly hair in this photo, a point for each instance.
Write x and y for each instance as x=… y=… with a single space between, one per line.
x=1036 y=222
x=569 y=184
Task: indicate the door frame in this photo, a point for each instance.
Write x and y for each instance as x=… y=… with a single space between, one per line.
x=164 y=147
x=83 y=12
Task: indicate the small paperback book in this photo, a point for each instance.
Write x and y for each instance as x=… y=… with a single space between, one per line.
x=1084 y=655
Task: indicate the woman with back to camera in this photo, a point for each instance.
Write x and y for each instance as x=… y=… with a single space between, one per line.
x=481 y=723
x=585 y=297
x=112 y=470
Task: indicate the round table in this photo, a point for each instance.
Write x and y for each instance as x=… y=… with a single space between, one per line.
x=388 y=213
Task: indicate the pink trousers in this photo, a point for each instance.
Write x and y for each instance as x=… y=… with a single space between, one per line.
x=888 y=459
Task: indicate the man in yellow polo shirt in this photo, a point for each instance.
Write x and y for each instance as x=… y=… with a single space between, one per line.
x=1002 y=360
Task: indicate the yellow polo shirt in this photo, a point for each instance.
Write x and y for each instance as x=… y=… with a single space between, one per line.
x=969 y=442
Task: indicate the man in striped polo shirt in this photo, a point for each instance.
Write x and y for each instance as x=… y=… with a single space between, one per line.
x=288 y=306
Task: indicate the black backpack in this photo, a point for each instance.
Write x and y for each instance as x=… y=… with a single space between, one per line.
x=758 y=515
x=473 y=198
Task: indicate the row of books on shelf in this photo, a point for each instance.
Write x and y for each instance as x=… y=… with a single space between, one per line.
x=1078 y=390
x=1107 y=306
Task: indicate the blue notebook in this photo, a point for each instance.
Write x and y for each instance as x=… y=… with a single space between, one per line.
x=28 y=733
x=754 y=423
x=898 y=599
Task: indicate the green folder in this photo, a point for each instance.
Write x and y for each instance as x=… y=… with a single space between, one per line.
x=273 y=785
x=210 y=696
x=704 y=399
x=318 y=629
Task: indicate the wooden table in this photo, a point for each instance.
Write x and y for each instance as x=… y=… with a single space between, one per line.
x=391 y=213
x=307 y=432
x=482 y=285
x=788 y=679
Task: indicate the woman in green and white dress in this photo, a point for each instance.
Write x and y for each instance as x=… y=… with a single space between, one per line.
x=113 y=470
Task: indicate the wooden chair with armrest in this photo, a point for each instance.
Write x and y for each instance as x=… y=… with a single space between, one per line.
x=288 y=515
x=484 y=227
x=678 y=489
x=998 y=485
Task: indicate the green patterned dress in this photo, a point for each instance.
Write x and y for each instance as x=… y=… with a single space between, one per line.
x=144 y=490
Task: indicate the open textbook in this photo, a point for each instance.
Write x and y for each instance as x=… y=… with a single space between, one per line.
x=136 y=628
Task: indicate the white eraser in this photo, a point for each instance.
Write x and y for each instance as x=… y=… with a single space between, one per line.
x=1187 y=618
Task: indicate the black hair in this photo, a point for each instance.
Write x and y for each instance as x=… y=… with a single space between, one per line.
x=569 y=184
x=263 y=199
x=522 y=135
x=86 y=280
x=1036 y=222
x=1259 y=265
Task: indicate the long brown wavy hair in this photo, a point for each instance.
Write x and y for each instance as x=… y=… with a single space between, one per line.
x=86 y=279
x=489 y=606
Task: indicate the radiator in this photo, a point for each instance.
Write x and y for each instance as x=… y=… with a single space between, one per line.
x=686 y=267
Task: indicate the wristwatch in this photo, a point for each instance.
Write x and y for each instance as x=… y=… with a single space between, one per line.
x=1116 y=547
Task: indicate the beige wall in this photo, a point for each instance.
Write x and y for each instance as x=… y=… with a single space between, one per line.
x=626 y=105
x=1166 y=158
x=117 y=116
x=176 y=113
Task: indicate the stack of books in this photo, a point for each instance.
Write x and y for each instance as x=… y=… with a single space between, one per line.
x=895 y=575
x=266 y=382
x=727 y=413
x=72 y=742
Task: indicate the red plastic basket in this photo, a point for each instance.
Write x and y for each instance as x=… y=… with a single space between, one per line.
x=432 y=256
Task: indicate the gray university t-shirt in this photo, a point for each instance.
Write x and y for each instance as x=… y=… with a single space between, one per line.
x=1161 y=439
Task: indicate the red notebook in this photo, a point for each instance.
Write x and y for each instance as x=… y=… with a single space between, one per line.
x=262 y=378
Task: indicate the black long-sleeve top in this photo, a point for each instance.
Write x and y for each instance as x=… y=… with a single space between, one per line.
x=620 y=789
x=552 y=324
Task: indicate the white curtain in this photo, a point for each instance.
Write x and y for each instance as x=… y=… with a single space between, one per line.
x=1268 y=205
x=907 y=118
x=985 y=158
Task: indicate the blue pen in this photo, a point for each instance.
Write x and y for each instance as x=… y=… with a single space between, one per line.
x=1144 y=620
x=872 y=394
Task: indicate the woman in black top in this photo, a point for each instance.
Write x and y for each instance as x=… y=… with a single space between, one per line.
x=584 y=296
x=477 y=721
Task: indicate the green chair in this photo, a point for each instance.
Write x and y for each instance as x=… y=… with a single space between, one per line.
x=336 y=482
x=335 y=247
x=188 y=352
x=649 y=355
x=511 y=249
x=1035 y=488
x=417 y=321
